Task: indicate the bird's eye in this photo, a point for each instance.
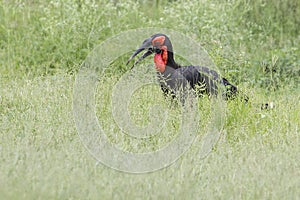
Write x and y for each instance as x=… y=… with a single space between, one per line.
x=157 y=50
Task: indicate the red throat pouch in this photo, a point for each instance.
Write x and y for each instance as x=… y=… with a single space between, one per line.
x=160 y=60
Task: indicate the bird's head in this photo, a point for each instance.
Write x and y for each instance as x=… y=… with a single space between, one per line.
x=160 y=45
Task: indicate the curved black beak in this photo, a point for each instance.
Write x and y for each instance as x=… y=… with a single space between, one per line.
x=146 y=45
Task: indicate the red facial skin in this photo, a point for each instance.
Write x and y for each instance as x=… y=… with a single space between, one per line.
x=161 y=59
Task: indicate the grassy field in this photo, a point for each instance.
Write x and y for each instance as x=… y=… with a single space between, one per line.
x=254 y=43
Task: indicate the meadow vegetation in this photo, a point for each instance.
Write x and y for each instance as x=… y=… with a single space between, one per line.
x=254 y=43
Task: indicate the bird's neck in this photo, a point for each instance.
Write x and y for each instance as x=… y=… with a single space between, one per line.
x=171 y=62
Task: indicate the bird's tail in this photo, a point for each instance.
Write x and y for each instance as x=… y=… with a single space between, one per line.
x=231 y=91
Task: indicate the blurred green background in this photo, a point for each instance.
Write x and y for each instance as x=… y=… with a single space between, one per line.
x=254 y=43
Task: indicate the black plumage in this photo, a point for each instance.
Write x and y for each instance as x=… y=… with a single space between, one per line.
x=172 y=76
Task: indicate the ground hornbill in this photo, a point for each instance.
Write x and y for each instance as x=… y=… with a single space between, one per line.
x=172 y=76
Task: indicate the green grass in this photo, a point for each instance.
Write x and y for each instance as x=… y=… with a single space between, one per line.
x=42 y=45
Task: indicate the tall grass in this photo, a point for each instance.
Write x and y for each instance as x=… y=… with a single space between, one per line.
x=255 y=43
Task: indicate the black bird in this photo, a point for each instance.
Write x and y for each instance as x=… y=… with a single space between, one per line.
x=172 y=76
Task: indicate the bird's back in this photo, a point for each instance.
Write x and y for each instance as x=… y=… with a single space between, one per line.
x=202 y=79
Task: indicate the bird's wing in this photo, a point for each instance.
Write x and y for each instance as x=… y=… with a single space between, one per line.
x=204 y=77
